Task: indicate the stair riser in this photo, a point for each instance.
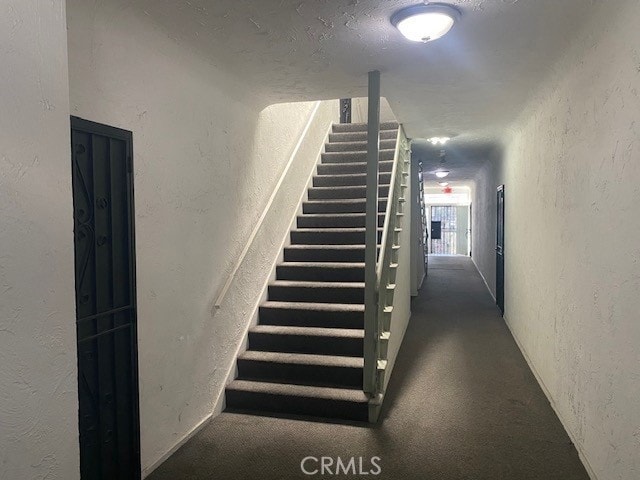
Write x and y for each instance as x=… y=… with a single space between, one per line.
x=339 y=207
x=301 y=237
x=348 y=180
x=360 y=136
x=312 y=254
x=358 y=146
x=328 y=294
x=352 y=157
x=343 y=168
x=294 y=405
x=335 y=221
x=320 y=274
x=300 y=374
x=344 y=193
x=345 y=347
x=310 y=318
x=362 y=127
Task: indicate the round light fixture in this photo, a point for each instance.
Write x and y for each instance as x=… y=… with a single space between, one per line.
x=425 y=23
x=443 y=184
x=438 y=140
x=442 y=173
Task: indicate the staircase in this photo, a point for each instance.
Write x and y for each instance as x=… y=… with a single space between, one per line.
x=305 y=356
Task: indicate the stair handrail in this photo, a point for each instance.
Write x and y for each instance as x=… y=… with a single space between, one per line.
x=258 y=224
x=388 y=261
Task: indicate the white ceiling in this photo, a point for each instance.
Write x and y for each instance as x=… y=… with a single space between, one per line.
x=470 y=84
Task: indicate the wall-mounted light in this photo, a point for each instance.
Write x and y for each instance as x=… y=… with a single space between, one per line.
x=442 y=173
x=438 y=140
x=425 y=23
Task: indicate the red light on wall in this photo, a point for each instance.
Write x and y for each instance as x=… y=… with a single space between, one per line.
x=447 y=190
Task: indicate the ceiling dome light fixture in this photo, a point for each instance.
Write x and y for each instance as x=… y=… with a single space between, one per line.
x=443 y=184
x=442 y=173
x=425 y=23
x=438 y=140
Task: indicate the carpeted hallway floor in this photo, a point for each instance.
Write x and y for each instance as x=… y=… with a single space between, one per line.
x=462 y=404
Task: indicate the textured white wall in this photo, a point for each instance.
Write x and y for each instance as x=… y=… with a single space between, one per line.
x=206 y=161
x=573 y=239
x=483 y=217
x=38 y=396
x=359 y=110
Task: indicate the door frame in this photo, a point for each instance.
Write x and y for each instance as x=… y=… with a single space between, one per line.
x=89 y=126
x=500 y=250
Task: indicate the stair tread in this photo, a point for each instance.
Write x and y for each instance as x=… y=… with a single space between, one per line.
x=327 y=247
x=362 y=127
x=333 y=230
x=327 y=307
x=347 y=187
x=342 y=394
x=359 y=175
x=341 y=215
x=303 y=359
x=343 y=200
x=353 y=152
x=358 y=163
x=308 y=331
x=323 y=264
x=303 y=283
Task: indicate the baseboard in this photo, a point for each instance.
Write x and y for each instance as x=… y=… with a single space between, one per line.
x=581 y=453
x=148 y=470
x=483 y=279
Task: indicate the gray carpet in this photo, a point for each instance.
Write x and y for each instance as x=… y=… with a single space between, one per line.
x=462 y=404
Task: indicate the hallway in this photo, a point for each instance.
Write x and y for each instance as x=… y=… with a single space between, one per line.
x=462 y=404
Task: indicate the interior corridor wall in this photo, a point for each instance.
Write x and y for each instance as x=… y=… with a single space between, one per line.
x=483 y=217
x=573 y=239
x=206 y=160
x=38 y=393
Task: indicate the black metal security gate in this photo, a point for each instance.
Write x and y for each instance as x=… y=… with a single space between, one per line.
x=105 y=301
x=447 y=216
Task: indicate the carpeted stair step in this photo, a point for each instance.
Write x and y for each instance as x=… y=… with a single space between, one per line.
x=356 y=167
x=354 y=157
x=344 y=192
x=325 y=315
x=361 y=127
x=301 y=369
x=330 y=236
x=344 y=137
x=316 y=292
x=324 y=253
x=321 y=271
x=350 y=179
x=341 y=206
x=360 y=146
x=310 y=340
x=335 y=220
x=278 y=398
x=338 y=193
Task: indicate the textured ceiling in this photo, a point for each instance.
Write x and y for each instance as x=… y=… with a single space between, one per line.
x=470 y=84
